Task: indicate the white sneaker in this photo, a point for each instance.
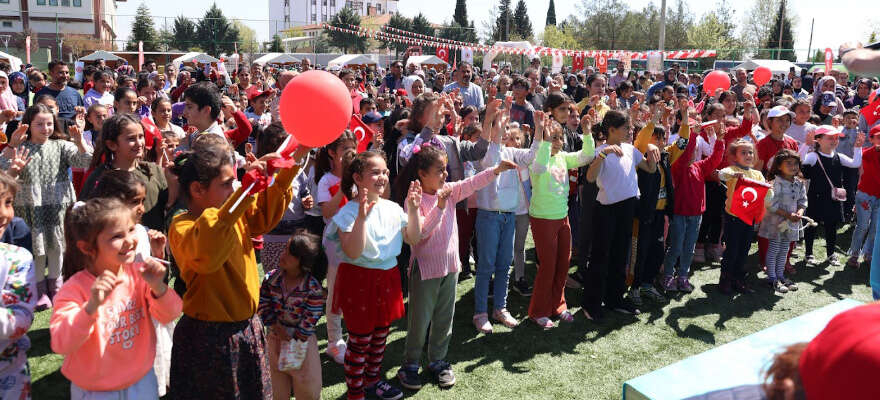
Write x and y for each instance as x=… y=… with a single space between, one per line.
x=337 y=352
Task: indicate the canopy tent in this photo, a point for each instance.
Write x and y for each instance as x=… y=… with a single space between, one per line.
x=277 y=58
x=821 y=67
x=102 y=55
x=13 y=61
x=775 y=66
x=426 y=60
x=195 y=57
x=351 y=59
x=489 y=56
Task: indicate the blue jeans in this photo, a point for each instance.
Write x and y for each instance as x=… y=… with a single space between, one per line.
x=867 y=211
x=875 y=266
x=683 y=232
x=495 y=248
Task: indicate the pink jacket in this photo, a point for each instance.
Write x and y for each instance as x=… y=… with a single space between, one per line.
x=115 y=347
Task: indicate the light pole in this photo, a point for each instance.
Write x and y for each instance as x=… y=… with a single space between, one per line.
x=662 y=45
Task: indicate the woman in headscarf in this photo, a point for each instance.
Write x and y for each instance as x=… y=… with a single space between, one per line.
x=11 y=106
x=18 y=82
x=414 y=86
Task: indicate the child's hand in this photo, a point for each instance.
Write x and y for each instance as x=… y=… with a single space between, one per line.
x=153 y=272
x=75 y=133
x=860 y=140
x=365 y=205
x=8 y=115
x=414 y=198
x=308 y=202
x=442 y=196
x=836 y=120
x=594 y=101
x=653 y=154
x=18 y=137
x=794 y=217
x=504 y=165
x=100 y=291
x=80 y=118
x=811 y=138
x=493 y=91
x=19 y=161
x=157 y=243
x=538 y=117
x=142 y=100
x=718 y=92
x=587 y=121
x=613 y=149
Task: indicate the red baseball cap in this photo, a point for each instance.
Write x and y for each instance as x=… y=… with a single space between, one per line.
x=874 y=131
x=254 y=95
x=843 y=360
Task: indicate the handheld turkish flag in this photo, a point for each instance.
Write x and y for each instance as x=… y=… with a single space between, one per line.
x=443 y=54
x=577 y=62
x=871 y=112
x=254 y=181
x=747 y=202
x=151 y=132
x=362 y=133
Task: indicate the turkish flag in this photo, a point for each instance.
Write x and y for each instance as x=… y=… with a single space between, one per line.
x=151 y=132
x=871 y=112
x=443 y=54
x=362 y=133
x=577 y=62
x=257 y=178
x=747 y=202
x=335 y=189
x=288 y=147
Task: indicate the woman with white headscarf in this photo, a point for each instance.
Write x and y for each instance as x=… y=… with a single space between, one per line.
x=414 y=86
x=11 y=106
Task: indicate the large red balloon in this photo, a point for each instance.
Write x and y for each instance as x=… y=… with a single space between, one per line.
x=315 y=108
x=716 y=80
x=761 y=76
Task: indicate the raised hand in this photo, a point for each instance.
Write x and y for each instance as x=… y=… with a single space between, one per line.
x=443 y=195
x=18 y=137
x=308 y=202
x=538 y=117
x=613 y=149
x=76 y=133
x=414 y=197
x=860 y=140
x=504 y=165
x=653 y=154
x=101 y=289
x=365 y=205
x=80 y=118
x=157 y=243
x=19 y=161
x=153 y=272
x=587 y=121
x=810 y=139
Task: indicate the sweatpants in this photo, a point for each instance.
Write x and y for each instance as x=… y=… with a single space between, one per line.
x=710 y=229
x=553 y=244
x=49 y=262
x=519 y=246
x=431 y=307
x=612 y=239
x=830 y=228
x=363 y=360
x=588 y=193
x=738 y=239
x=145 y=388
x=650 y=250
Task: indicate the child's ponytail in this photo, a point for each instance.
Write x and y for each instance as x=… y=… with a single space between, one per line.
x=82 y=223
x=323 y=163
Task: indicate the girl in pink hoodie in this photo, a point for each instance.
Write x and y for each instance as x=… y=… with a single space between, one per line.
x=101 y=321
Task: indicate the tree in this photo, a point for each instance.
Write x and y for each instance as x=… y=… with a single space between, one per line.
x=781 y=29
x=166 y=37
x=275 y=45
x=714 y=31
x=678 y=21
x=501 y=31
x=521 y=21
x=142 y=30
x=214 y=32
x=460 y=16
x=558 y=38
x=551 y=14
x=400 y=22
x=184 y=33
x=420 y=24
x=345 y=40
x=247 y=38
x=759 y=20
x=819 y=56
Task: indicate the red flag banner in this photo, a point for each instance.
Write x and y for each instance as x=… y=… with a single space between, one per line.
x=443 y=54
x=151 y=132
x=871 y=112
x=255 y=180
x=747 y=202
x=577 y=62
x=602 y=63
x=362 y=133
x=829 y=60
x=335 y=189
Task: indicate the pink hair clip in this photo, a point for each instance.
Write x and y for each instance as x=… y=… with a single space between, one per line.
x=416 y=149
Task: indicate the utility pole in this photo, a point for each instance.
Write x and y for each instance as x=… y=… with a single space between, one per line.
x=781 y=22
x=662 y=44
x=507 y=25
x=810 y=47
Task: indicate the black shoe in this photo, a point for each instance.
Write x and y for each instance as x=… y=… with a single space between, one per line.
x=593 y=314
x=725 y=287
x=626 y=307
x=522 y=287
x=741 y=287
x=464 y=275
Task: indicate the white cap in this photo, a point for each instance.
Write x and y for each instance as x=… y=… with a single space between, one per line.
x=779 y=111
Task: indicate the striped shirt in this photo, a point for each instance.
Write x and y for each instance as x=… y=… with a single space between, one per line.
x=437 y=250
x=297 y=309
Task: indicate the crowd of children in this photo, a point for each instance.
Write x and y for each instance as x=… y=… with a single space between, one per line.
x=107 y=197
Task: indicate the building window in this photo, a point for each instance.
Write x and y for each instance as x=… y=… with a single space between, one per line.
x=65 y=3
x=332 y=3
x=379 y=8
x=6 y=24
x=53 y=2
x=4 y=1
x=314 y=18
x=77 y=3
x=324 y=3
x=41 y=2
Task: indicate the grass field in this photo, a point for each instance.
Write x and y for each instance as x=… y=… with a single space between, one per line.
x=581 y=360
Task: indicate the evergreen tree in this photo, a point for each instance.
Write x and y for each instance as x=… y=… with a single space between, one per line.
x=500 y=33
x=521 y=21
x=420 y=24
x=215 y=34
x=551 y=14
x=142 y=30
x=183 y=34
x=400 y=22
x=782 y=22
x=275 y=46
x=460 y=16
x=345 y=40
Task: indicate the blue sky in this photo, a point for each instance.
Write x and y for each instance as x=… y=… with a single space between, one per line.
x=845 y=20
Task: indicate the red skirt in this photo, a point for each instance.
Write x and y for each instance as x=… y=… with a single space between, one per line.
x=367 y=298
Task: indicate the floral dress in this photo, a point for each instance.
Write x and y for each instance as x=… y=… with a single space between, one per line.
x=46 y=190
x=19 y=297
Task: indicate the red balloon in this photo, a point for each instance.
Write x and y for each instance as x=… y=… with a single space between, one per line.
x=761 y=76
x=716 y=80
x=315 y=108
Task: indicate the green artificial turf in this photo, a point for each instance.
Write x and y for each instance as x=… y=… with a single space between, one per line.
x=581 y=360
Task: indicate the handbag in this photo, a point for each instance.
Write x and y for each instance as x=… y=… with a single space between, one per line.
x=837 y=194
x=292 y=354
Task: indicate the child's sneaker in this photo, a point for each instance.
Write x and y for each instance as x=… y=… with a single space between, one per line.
x=792 y=287
x=852 y=262
x=408 y=376
x=634 y=296
x=522 y=287
x=684 y=285
x=503 y=316
x=779 y=286
x=481 y=322
x=833 y=260
x=564 y=316
x=384 y=391
x=543 y=322
x=337 y=352
x=443 y=373
x=669 y=284
x=652 y=293
x=810 y=259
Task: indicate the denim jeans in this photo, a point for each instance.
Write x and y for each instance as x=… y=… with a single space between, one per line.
x=874 y=277
x=867 y=211
x=683 y=232
x=495 y=248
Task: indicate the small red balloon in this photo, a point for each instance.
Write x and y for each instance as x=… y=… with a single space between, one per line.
x=315 y=108
x=761 y=76
x=716 y=80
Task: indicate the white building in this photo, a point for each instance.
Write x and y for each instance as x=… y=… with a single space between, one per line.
x=287 y=14
x=50 y=19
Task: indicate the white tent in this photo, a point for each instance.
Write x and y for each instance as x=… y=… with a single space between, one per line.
x=775 y=66
x=277 y=58
x=351 y=59
x=489 y=56
x=102 y=55
x=195 y=57
x=13 y=61
x=425 y=60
